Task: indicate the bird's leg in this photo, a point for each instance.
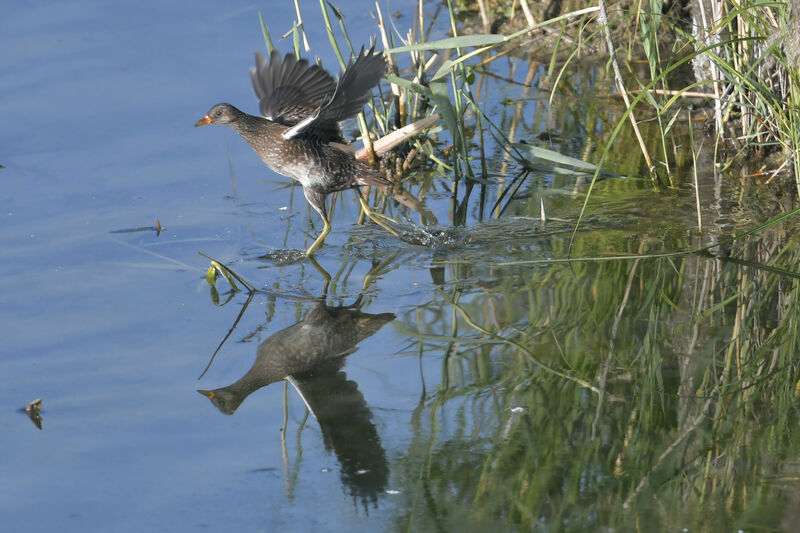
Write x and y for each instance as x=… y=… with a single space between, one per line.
x=318 y=242
x=317 y=201
x=378 y=218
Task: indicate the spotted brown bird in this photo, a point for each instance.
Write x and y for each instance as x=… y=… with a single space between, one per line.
x=302 y=107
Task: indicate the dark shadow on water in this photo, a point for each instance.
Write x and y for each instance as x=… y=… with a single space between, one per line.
x=310 y=355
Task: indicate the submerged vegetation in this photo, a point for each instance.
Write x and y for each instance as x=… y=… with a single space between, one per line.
x=596 y=370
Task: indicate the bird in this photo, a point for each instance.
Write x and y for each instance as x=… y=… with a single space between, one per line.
x=301 y=108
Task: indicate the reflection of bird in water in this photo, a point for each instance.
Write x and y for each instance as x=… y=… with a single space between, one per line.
x=302 y=108
x=310 y=354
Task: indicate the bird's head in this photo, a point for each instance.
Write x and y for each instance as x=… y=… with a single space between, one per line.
x=220 y=114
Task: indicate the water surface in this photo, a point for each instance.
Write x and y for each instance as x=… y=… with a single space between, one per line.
x=469 y=381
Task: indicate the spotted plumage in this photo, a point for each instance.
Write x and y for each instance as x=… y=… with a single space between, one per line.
x=302 y=108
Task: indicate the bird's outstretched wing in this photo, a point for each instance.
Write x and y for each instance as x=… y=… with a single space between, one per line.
x=351 y=93
x=289 y=90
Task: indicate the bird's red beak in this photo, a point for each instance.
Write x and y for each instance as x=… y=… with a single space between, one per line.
x=203 y=121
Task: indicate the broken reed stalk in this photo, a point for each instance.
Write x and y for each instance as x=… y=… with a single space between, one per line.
x=387 y=142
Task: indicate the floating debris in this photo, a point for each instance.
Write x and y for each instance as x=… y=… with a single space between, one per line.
x=33 y=410
x=158 y=228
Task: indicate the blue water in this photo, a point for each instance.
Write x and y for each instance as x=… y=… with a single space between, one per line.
x=448 y=388
x=110 y=329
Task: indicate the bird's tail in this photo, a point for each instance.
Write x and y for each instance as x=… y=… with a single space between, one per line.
x=372 y=178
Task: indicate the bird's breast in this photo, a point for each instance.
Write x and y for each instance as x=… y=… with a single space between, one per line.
x=295 y=163
x=311 y=163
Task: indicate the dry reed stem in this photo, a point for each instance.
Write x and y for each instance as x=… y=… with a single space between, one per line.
x=527 y=11
x=389 y=57
x=387 y=142
x=487 y=24
x=603 y=21
x=300 y=25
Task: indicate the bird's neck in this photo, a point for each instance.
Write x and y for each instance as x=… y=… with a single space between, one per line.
x=243 y=123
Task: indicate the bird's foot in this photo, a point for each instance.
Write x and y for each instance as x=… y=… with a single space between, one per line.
x=379 y=218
